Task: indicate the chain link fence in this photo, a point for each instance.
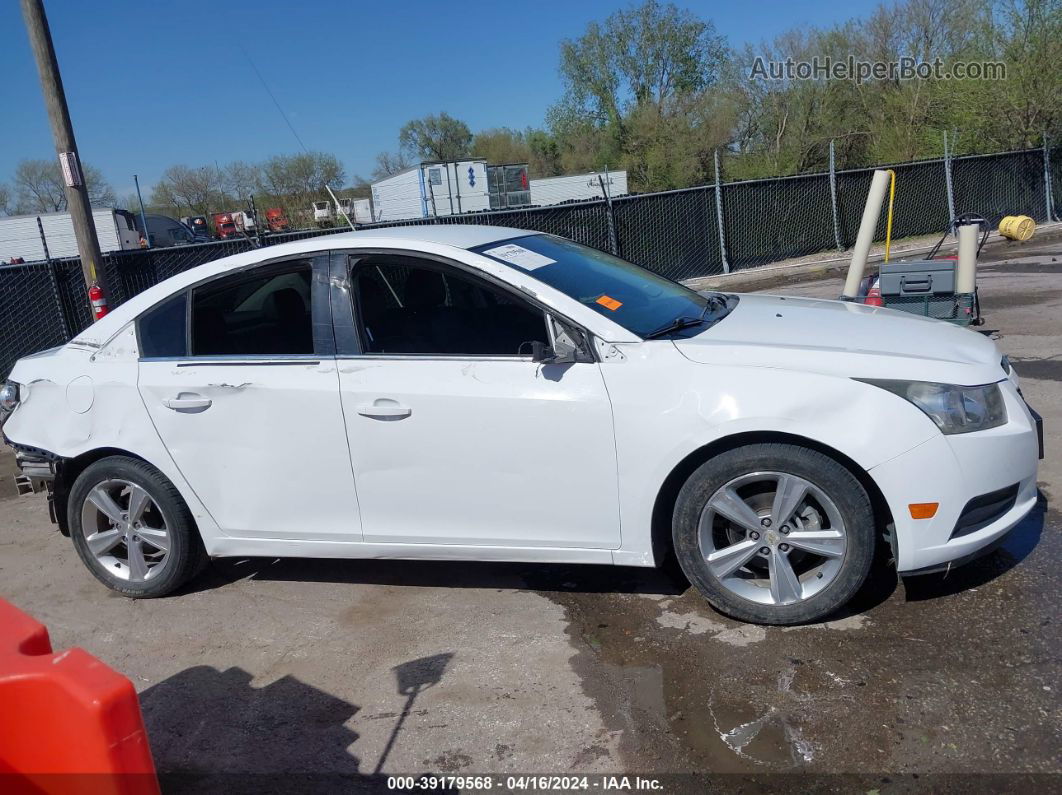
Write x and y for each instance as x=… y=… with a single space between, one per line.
x=681 y=234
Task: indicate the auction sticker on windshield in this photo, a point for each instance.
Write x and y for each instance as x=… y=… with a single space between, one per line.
x=519 y=256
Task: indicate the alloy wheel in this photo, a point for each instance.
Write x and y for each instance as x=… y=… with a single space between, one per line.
x=773 y=538
x=125 y=530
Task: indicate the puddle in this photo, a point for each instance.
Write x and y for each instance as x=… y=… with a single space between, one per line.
x=687 y=688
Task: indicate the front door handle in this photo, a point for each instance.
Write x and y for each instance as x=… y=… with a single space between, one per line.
x=187 y=403
x=388 y=411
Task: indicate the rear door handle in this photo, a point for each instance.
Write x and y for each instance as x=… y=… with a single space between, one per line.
x=388 y=411
x=184 y=403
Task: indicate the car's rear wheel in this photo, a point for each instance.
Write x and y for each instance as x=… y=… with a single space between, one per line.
x=132 y=529
x=774 y=533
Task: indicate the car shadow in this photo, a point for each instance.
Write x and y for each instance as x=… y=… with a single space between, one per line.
x=210 y=730
x=668 y=580
x=1016 y=546
x=445 y=574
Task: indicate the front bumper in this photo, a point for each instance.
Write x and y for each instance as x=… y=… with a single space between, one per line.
x=952 y=471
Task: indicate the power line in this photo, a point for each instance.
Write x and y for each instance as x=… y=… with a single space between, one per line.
x=291 y=127
x=280 y=110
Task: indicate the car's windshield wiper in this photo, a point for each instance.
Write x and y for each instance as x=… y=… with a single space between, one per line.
x=679 y=323
x=713 y=301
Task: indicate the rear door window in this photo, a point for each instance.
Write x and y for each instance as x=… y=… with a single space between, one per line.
x=264 y=312
x=163 y=329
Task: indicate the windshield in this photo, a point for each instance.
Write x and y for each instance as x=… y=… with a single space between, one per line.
x=639 y=300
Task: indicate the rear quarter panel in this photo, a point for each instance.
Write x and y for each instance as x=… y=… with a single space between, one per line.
x=77 y=399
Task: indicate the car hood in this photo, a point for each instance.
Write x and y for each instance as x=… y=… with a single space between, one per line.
x=846 y=339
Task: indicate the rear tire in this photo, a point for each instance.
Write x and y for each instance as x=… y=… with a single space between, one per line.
x=774 y=533
x=132 y=528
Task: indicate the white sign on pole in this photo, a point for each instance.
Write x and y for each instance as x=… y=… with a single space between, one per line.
x=71 y=169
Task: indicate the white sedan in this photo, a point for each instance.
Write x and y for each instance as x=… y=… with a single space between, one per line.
x=479 y=393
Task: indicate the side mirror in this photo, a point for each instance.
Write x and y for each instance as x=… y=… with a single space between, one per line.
x=563 y=353
x=569 y=345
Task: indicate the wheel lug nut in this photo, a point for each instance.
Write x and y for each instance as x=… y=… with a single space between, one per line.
x=766 y=521
x=785 y=529
x=765 y=550
x=783 y=547
x=754 y=535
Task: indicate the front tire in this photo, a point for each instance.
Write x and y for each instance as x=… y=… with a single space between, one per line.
x=132 y=529
x=774 y=533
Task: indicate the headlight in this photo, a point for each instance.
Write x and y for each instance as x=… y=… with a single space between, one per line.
x=955 y=409
x=8 y=397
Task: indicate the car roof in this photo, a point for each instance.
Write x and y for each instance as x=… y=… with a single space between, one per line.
x=421 y=236
x=456 y=235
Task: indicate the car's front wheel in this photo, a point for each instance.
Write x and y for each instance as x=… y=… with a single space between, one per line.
x=132 y=529
x=774 y=533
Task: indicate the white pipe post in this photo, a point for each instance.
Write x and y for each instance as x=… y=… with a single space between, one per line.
x=871 y=212
x=719 y=215
x=1048 y=198
x=966 y=269
x=947 y=181
x=833 y=202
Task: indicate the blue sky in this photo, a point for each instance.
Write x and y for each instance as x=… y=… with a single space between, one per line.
x=151 y=84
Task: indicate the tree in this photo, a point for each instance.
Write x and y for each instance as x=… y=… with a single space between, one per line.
x=5 y=199
x=40 y=187
x=303 y=177
x=439 y=137
x=239 y=179
x=635 y=74
x=388 y=164
x=501 y=145
x=643 y=56
x=189 y=191
x=545 y=154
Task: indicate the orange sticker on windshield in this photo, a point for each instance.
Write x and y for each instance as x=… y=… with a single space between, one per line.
x=609 y=303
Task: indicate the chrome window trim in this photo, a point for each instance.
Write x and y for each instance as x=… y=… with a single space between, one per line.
x=246 y=360
x=421 y=357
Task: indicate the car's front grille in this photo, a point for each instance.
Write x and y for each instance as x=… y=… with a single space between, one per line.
x=981 y=511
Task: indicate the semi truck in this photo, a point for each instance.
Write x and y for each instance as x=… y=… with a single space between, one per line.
x=198 y=225
x=276 y=220
x=225 y=227
x=20 y=236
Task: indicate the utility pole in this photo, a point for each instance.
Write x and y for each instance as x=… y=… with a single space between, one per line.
x=77 y=199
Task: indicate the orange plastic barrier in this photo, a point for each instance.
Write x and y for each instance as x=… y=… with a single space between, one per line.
x=68 y=723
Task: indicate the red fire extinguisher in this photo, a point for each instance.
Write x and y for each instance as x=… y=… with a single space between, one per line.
x=99 y=303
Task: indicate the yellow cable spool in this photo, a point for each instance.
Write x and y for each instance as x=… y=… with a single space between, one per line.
x=1017 y=227
x=888 y=223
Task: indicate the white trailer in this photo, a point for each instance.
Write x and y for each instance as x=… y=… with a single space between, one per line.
x=20 y=237
x=577 y=187
x=359 y=211
x=432 y=189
